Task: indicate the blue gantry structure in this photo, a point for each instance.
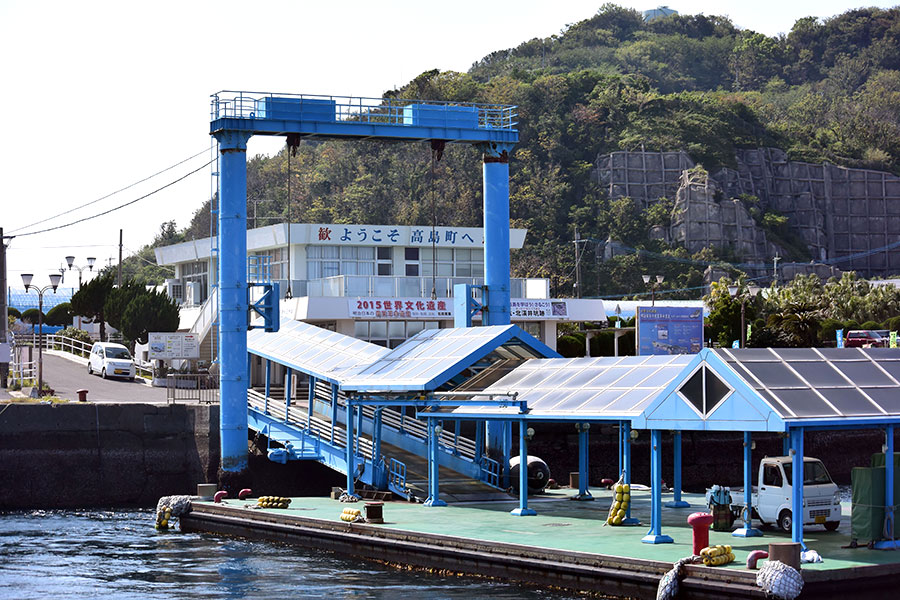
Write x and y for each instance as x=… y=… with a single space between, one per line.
x=236 y=116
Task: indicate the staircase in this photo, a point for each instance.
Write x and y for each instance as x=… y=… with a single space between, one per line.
x=402 y=465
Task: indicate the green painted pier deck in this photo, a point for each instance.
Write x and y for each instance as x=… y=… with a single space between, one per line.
x=566 y=545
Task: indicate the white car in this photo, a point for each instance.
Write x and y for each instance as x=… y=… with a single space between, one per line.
x=111 y=360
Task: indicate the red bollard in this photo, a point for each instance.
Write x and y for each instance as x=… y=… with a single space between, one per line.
x=700 y=522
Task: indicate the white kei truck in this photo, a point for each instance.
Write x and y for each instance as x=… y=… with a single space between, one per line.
x=772 y=502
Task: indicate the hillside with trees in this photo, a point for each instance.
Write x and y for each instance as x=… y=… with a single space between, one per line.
x=829 y=90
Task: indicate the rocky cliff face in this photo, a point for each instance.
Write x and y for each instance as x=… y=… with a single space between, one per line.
x=844 y=218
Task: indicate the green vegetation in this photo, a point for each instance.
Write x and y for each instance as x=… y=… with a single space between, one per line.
x=806 y=312
x=828 y=90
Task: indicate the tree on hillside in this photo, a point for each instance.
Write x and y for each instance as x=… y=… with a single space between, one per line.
x=90 y=300
x=153 y=311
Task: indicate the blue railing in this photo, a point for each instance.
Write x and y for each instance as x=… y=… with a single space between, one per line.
x=259 y=269
x=397 y=474
x=490 y=471
x=385 y=111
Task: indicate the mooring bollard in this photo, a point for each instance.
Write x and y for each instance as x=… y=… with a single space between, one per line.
x=375 y=512
x=82 y=395
x=700 y=522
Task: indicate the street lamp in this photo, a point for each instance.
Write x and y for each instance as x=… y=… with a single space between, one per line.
x=648 y=280
x=90 y=266
x=54 y=282
x=737 y=291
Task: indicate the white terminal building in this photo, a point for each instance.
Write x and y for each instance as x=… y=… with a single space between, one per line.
x=372 y=282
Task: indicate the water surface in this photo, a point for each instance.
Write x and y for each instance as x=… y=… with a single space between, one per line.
x=118 y=555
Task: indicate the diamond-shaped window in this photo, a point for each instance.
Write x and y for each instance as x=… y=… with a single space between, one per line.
x=693 y=390
x=716 y=391
x=704 y=390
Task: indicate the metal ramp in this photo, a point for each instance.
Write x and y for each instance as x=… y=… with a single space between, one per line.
x=294 y=434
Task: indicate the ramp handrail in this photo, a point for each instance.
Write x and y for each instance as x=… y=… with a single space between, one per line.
x=490 y=471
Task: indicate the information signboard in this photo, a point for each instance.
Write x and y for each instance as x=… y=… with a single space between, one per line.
x=177 y=345
x=669 y=330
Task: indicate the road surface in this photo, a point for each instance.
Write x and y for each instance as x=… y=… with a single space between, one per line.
x=66 y=374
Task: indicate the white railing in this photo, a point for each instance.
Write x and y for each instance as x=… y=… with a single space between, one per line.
x=78 y=348
x=208 y=313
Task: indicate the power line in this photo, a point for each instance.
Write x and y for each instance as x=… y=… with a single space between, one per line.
x=110 y=194
x=129 y=203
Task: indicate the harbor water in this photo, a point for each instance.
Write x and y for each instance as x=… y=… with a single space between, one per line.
x=118 y=555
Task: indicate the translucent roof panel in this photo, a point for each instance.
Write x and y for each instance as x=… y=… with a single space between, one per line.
x=313 y=350
x=600 y=388
x=822 y=382
x=432 y=357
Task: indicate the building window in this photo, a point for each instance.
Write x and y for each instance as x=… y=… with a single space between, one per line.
x=453 y=262
x=194 y=273
x=411 y=257
x=530 y=327
x=390 y=334
x=278 y=258
x=329 y=261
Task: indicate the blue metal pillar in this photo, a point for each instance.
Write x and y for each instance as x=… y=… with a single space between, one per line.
x=677 y=502
x=334 y=409
x=434 y=496
x=797 y=486
x=233 y=305
x=351 y=468
x=655 y=536
x=583 y=457
x=786 y=445
x=747 y=516
x=625 y=433
x=523 y=510
x=309 y=407
x=496 y=233
x=888 y=491
x=621 y=447
x=479 y=441
x=268 y=384
x=376 y=435
x=359 y=429
x=288 y=390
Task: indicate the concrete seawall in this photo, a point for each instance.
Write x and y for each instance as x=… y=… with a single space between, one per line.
x=77 y=455
x=98 y=455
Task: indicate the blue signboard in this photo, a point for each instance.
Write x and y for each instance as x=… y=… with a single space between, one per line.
x=669 y=330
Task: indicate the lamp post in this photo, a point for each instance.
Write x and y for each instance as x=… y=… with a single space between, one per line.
x=648 y=279
x=737 y=291
x=54 y=282
x=70 y=260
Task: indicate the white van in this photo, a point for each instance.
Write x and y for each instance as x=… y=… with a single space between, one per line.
x=773 y=500
x=111 y=360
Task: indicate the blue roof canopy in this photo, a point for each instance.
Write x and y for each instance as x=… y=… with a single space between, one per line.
x=433 y=357
x=312 y=350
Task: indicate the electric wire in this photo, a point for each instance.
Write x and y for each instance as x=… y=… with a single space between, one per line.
x=115 y=208
x=110 y=194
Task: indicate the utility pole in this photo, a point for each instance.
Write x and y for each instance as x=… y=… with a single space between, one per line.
x=577 y=266
x=119 y=271
x=775 y=269
x=4 y=321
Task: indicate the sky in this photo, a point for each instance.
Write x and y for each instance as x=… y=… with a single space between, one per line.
x=100 y=96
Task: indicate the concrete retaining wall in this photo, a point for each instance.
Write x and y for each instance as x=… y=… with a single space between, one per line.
x=77 y=455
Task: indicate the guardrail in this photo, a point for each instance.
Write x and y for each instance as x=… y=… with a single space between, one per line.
x=52 y=341
x=385 y=111
x=198 y=387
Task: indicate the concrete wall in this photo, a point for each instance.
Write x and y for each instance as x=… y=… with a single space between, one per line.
x=78 y=455
x=95 y=455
